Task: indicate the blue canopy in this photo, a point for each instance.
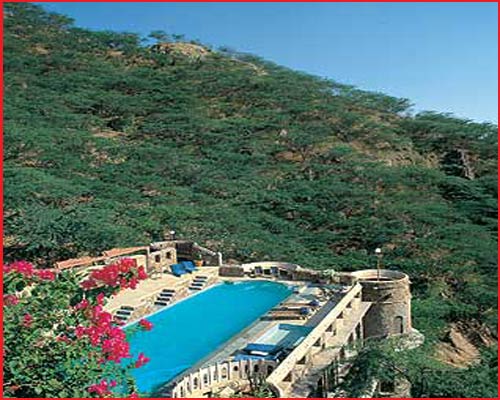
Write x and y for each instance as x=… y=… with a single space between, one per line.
x=243 y=357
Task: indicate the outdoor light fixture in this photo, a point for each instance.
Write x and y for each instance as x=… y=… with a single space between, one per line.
x=378 y=252
x=172 y=235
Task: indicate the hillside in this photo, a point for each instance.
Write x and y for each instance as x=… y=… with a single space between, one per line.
x=109 y=143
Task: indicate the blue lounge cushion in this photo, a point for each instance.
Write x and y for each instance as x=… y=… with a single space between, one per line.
x=304 y=311
x=188 y=266
x=178 y=269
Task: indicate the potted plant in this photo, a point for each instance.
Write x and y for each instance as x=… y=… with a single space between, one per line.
x=199 y=260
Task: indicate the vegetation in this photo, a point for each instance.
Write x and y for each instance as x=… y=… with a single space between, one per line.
x=58 y=340
x=377 y=361
x=108 y=143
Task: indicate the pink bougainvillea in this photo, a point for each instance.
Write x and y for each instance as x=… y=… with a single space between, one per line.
x=102 y=388
x=27 y=320
x=83 y=331
x=22 y=267
x=141 y=360
x=145 y=324
x=123 y=274
x=10 y=300
x=45 y=274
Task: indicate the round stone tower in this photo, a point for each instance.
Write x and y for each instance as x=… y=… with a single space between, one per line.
x=389 y=293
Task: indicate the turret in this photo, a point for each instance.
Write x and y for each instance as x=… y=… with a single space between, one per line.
x=389 y=293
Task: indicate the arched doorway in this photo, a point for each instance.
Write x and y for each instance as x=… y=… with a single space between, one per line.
x=398 y=325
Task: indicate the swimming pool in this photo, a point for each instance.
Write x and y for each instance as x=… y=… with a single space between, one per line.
x=188 y=331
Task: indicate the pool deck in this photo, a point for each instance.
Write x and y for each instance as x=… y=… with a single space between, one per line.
x=154 y=285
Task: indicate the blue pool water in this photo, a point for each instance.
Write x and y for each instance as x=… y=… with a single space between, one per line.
x=190 y=330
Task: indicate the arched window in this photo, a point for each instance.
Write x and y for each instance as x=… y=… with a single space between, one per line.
x=235 y=368
x=205 y=379
x=256 y=368
x=270 y=369
x=195 y=383
x=224 y=373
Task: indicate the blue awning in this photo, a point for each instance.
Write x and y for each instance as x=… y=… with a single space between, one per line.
x=243 y=357
x=264 y=348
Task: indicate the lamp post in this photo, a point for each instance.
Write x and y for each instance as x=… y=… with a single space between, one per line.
x=172 y=235
x=378 y=252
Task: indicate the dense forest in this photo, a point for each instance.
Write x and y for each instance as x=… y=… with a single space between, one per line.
x=113 y=140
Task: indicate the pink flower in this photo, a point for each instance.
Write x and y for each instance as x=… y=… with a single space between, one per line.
x=27 y=320
x=101 y=388
x=45 y=274
x=133 y=396
x=22 y=267
x=145 y=324
x=141 y=273
x=88 y=284
x=100 y=299
x=80 y=331
x=121 y=274
x=10 y=300
x=141 y=360
x=82 y=304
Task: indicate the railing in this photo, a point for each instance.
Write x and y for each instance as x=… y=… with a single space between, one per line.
x=304 y=349
x=212 y=377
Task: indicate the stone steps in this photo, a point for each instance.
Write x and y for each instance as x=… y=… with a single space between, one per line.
x=165 y=297
x=199 y=282
x=124 y=313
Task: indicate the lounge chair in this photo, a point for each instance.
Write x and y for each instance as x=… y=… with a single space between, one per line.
x=178 y=269
x=300 y=305
x=188 y=266
x=295 y=314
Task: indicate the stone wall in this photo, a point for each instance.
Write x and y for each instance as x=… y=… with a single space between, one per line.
x=162 y=258
x=235 y=272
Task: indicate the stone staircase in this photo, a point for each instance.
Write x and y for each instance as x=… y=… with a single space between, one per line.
x=124 y=313
x=199 y=282
x=165 y=297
